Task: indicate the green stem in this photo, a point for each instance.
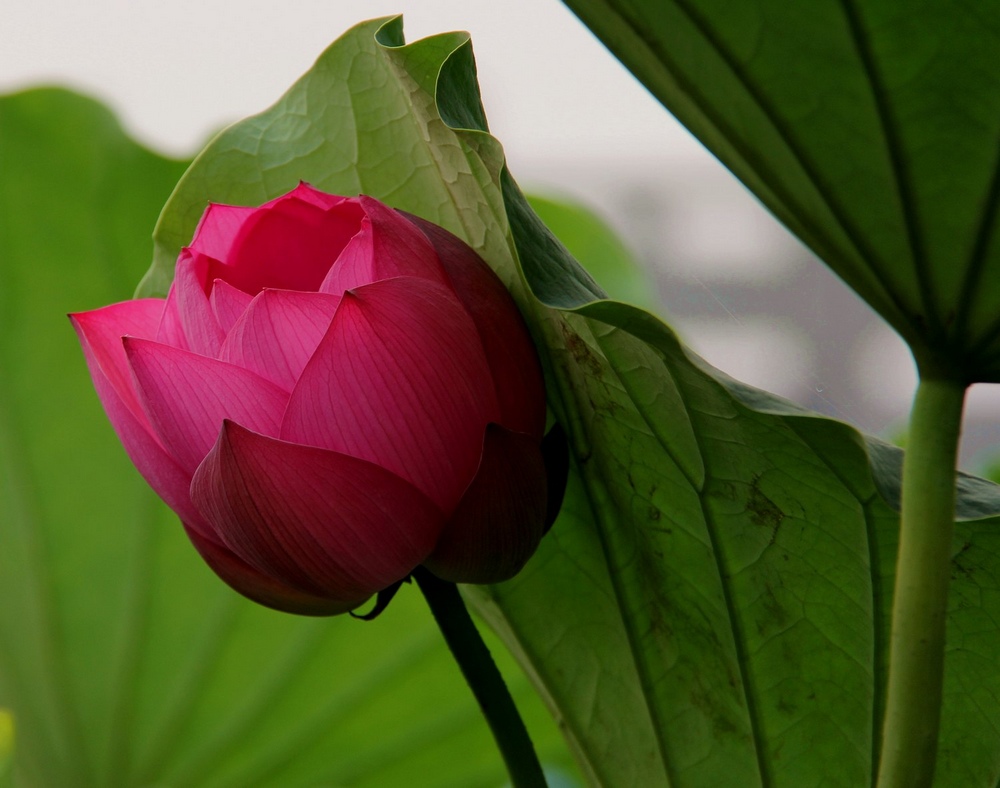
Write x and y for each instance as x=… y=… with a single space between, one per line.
x=483 y=678
x=923 y=568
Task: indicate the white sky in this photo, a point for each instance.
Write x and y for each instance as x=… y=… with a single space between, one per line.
x=177 y=71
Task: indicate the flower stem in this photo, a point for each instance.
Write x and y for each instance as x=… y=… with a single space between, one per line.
x=920 y=602
x=483 y=678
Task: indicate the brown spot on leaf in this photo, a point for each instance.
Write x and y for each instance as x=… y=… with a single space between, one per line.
x=581 y=352
x=961 y=565
x=763 y=511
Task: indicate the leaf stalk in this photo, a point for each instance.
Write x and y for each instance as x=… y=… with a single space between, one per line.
x=920 y=600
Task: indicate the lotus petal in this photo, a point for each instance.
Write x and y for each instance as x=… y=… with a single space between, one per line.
x=399 y=380
x=501 y=518
x=278 y=334
x=324 y=523
x=188 y=310
x=187 y=396
x=259 y=587
x=289 y=246
x=220 y=225
x=386 y=246
x=506 y=341
x=228 y=304
x=100 y=332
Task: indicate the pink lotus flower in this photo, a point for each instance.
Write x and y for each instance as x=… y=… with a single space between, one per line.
x=331 y=395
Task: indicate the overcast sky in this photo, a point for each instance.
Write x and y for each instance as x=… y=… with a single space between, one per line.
x=177 y=71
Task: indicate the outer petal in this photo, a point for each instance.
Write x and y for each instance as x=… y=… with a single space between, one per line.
x=509 y=349
x=399 y=380
x=322 y=523
x=100 y=332
x=259 y=587
x=170 y=331
x=288 y=244
x=160 y=470
x=188 y=312
x=501 y=518
x=277 y=335
x=187 y=396
x=386 y=246
x=228 y=304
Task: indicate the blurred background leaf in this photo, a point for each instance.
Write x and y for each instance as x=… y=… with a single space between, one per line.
x=123 y=659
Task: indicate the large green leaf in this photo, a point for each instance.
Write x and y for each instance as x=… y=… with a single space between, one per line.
x=710 y=608
x=123 y=659
x=870 y=127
